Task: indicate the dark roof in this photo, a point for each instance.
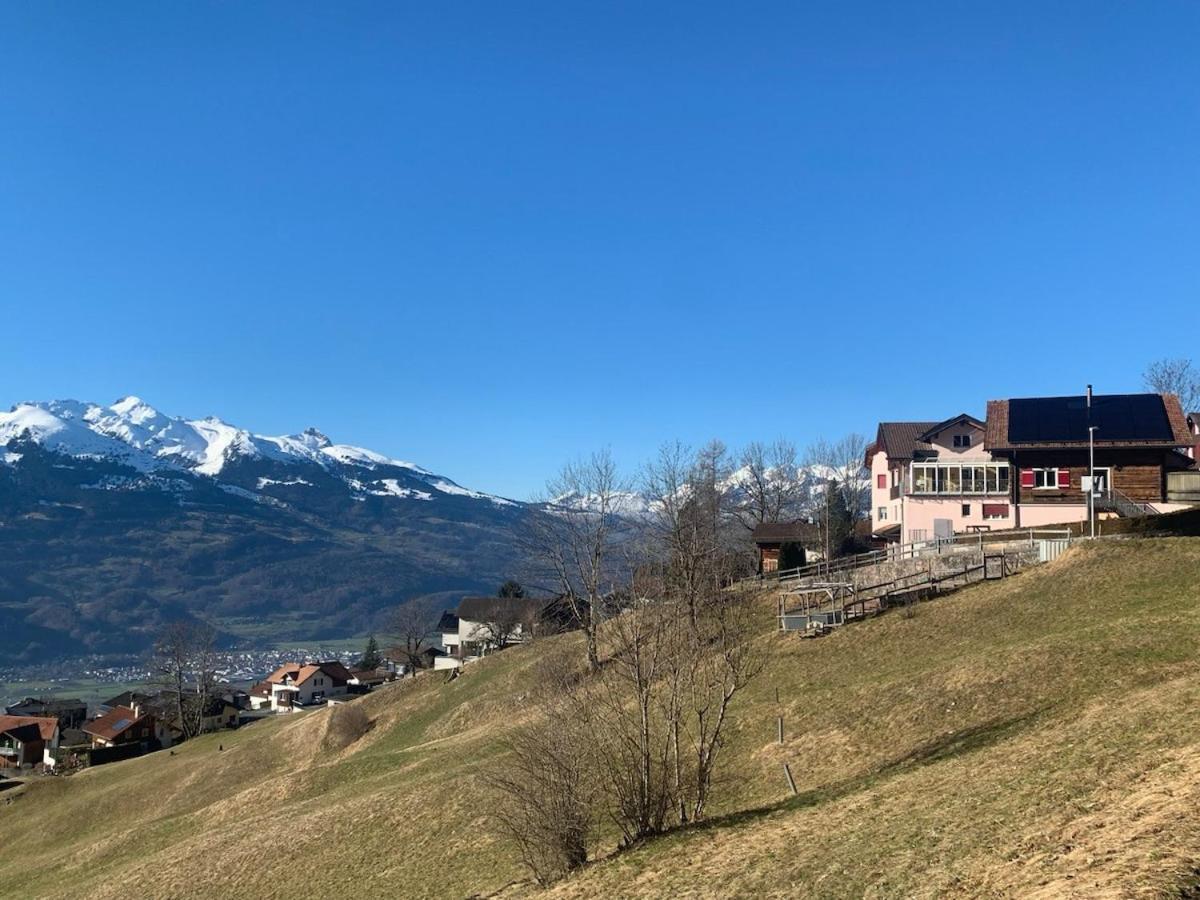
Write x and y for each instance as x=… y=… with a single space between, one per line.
x=784 y=533
x=335 y=670
x=50 y=705
x=494 y=609
x=902 y=440
x=448 y=622
x=1122 y=420
x=925 y=436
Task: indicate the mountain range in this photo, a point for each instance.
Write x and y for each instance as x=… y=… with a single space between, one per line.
x=115 y=519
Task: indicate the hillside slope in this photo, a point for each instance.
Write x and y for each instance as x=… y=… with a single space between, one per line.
x=1036 y=736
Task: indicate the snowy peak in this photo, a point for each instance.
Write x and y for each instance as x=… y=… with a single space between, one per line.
x=133 y=432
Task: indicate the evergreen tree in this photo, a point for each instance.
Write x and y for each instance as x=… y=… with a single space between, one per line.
x=511 y=590
x=371 y=658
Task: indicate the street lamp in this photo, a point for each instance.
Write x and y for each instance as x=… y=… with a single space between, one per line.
x=1092 y=477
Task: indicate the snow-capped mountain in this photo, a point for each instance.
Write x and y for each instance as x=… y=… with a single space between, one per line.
x=115 y=519
x=134 y=434
x=809 y=481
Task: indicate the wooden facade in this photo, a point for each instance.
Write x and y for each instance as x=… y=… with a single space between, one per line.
x=1141 y=475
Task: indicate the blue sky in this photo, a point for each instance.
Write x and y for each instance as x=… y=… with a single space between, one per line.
x=490 y=237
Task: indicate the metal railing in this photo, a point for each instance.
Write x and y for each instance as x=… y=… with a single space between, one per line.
x=1119 y=503
x=916 y=550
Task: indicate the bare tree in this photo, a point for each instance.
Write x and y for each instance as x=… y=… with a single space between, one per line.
x=545 y=789
x=185 y=660
x=576 y=541
x=508 y=619
x=412 y=628
x=1175 y=376
x=770 y=487
x=840 y=465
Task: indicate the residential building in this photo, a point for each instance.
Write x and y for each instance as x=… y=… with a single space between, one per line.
x=1023 y=466
x=28 y=740
x=121 y=726
x=300 y=684
x=1139 y=439
x=935 y=479
x=70 y=713
x=485 y=624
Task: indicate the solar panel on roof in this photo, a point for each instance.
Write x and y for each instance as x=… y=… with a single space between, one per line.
x=1118 y=417
x=121 y=723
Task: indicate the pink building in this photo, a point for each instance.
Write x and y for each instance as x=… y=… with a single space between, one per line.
x=936 y=479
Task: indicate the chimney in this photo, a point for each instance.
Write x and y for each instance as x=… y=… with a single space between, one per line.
x=1089 y=397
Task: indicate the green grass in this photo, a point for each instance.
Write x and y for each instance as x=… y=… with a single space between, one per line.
x=1032 y=736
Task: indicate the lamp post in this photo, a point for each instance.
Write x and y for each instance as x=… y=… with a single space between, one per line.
x=1092 y=477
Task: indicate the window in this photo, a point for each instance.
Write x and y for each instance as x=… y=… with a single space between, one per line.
x=966 y=509
x=880 y=482
x=1046 y=479
x=882 y=513
x=995 y=510
x=1102 y=480
x=932 y=478
x=962 y=440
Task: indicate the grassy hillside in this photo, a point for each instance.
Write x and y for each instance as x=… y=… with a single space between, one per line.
x=1038 y=736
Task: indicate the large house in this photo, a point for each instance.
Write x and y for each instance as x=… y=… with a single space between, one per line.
x=27 y=740
x=482 y=624
x=1023 y=466
x=300 y=684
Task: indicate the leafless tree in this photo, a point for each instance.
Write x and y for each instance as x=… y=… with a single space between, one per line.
x=411 y=626
x=185 y=660
x=576 y=542
x=841 y=464
x=545 y=789
x=509 y=618
x=1175 y=376
x=770 y=487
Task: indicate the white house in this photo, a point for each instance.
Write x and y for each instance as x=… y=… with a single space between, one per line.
x=483 y=624
x=300 y=684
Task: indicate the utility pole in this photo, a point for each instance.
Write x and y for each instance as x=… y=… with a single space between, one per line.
x=1091 y=493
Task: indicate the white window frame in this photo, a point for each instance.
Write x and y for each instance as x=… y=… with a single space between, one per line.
x=1045 y=487
x=1107 y=470
x=882 y=513
x=931 y=469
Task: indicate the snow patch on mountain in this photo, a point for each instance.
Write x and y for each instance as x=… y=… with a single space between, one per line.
x=267 y=482
x=390 y=487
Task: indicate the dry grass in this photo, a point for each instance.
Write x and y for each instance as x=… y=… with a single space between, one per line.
x=1036 y=737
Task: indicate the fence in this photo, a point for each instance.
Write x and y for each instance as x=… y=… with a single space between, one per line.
x=917 y=550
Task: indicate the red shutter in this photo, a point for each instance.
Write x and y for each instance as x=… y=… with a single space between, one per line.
x=1064 y=479
x=1027 y=478
x=880 y=481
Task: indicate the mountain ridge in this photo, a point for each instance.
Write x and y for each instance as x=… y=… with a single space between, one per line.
x=115 y=519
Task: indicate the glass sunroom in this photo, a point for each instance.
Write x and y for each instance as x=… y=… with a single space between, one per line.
x=964 y=478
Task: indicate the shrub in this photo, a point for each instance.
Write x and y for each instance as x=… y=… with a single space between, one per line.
x=347 y=723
